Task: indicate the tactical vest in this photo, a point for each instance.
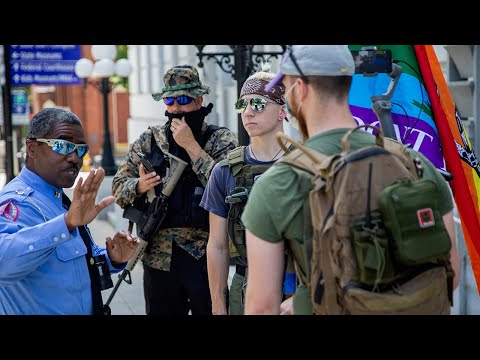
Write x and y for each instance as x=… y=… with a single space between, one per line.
x=244 y=175
x=184 y=203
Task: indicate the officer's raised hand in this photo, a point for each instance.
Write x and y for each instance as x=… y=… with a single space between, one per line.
x=122 y=247
x=83 y=208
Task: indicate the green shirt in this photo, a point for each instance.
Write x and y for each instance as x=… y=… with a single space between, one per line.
x=277 y=208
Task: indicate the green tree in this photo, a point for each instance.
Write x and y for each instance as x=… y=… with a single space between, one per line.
x=122 y=53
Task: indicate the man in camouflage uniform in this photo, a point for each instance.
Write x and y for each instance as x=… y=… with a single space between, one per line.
x=175 y=278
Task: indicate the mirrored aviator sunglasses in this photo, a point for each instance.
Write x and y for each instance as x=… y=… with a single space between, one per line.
x=257 y=104
x=181 y=100
x=64 y=147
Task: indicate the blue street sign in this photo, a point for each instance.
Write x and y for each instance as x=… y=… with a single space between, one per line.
x=44 y=64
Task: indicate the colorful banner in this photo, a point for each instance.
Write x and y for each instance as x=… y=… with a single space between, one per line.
x=411 y=110
x=424 y=116
x=460 y=158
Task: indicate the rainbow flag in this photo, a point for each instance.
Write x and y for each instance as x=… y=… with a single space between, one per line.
x=424 y=115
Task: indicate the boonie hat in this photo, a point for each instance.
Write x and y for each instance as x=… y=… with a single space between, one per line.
x=316 y=60
x=181 y=80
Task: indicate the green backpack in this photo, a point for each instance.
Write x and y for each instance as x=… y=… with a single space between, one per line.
x=379 y=243
x=244 y=175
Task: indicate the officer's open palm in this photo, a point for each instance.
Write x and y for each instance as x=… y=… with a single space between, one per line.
x=83 y=208
x=122 y=247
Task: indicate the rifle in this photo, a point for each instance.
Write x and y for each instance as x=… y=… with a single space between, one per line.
x=148 y=217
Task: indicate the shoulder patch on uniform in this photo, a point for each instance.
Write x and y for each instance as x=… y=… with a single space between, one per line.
x=9 y=210
x=24 y=192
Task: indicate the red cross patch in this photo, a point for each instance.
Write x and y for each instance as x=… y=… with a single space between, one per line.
x=425 y=218
x=9 y=210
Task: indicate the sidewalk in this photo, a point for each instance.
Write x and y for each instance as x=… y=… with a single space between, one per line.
x=128 y=300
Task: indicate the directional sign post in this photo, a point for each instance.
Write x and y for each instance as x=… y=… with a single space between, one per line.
x=20 y=107
x=32 y=65
x=7 y=116
x=44 y=64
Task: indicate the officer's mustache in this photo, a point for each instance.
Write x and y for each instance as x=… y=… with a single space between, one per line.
x=73 y=167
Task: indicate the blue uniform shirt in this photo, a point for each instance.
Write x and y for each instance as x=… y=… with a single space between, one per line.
x=42 y=265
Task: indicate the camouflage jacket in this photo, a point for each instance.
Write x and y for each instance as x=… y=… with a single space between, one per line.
x=159 y=251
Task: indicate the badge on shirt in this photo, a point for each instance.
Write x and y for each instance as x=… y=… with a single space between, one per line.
x=9 y=210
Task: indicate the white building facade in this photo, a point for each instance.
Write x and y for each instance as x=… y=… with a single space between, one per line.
x=150 y=62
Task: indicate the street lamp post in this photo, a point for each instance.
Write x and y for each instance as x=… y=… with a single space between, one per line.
x=100 y=71
x=245 y=61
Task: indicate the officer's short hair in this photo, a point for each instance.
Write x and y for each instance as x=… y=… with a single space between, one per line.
x=44 y=122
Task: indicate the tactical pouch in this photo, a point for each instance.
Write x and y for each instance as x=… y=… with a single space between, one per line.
x=236 y=231
x=412 y=218
x=425 y=294
x=372 y=251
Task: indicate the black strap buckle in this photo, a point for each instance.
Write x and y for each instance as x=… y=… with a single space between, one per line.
x=238 y=194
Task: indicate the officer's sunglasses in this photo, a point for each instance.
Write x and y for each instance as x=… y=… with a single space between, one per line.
x=257 y=104
x=64 y=147
x=181 y=100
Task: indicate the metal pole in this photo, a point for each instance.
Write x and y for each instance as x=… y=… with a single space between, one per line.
x=108 y=163
x=243 y=67
x=243 y=138
x=7 y=115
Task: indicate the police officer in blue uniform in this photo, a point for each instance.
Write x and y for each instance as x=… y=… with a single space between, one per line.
x=49 y=264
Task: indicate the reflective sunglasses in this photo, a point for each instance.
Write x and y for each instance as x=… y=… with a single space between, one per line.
x=181 y=100
x=64 y=147
x=257 y=104
x=289 y=52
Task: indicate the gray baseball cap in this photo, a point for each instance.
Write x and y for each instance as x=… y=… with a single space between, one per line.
x=316 y=60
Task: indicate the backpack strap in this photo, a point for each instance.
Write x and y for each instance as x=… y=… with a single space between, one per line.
x=223 y=162
x=413 y=165
x=301 y=157
x=331 y=297
x=312 y=162
x=236 y=159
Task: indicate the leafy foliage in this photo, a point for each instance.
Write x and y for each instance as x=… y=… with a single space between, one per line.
x=122 y=53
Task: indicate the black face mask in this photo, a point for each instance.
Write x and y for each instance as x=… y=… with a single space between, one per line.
x=194 y=120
